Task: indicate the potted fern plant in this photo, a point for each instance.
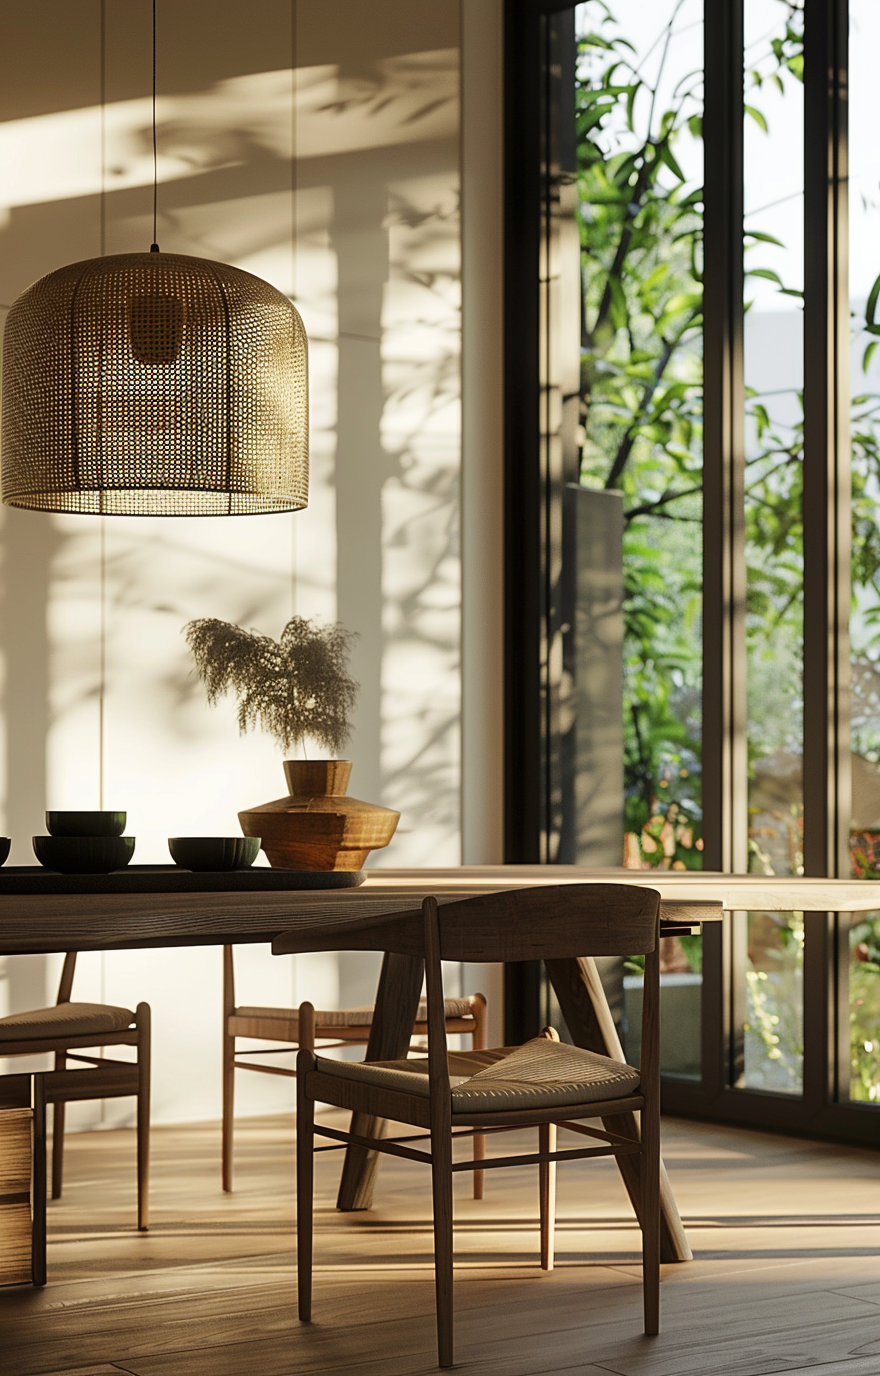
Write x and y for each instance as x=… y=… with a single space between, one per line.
x=296 y=688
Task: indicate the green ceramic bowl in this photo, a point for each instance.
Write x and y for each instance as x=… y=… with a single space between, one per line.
x=85 y=823
x=84 y=854
x=214 y=852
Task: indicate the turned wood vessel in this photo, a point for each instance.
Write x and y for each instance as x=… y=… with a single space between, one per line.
x=318 y=826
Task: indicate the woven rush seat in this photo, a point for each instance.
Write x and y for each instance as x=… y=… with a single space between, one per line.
x=539 y=1074
x=355 y=1017
x=65 y=1020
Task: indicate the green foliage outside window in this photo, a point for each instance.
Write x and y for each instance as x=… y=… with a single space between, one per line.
x=641 y=403
x=641 y=395
x=640 y=222
x=864 y=1003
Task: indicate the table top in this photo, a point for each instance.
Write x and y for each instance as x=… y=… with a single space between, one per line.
x=734 y=892
x=119 y=921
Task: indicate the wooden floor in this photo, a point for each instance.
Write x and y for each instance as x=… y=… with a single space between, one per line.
x=786 y=1277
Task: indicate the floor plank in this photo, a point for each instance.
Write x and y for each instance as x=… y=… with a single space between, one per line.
x=89 y=1371
x=786 y=1276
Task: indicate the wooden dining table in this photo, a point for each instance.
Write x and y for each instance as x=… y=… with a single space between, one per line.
x=151 y=907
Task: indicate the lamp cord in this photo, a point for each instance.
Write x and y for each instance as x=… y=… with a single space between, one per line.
x=293 y=209
x=102 y=546
x=154 y=247
x=103 y=82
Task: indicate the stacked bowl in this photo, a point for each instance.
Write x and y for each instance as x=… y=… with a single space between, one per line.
x=214 y=852
x=84 y=842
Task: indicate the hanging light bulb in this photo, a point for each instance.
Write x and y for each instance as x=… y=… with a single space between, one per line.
x=154 y=384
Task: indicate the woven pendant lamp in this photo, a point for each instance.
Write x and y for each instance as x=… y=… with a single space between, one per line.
x=154 y=384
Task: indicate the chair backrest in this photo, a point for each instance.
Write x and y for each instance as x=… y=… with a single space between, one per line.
x=551 y=922
x=65 y=984
x=545 y=923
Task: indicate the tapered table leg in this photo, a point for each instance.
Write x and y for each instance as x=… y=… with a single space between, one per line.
x=585 y=1009
x=397 y=1002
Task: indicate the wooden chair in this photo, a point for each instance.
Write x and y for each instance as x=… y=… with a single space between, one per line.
x=545 y=1083
x=343 y=1027
x=65 y=1029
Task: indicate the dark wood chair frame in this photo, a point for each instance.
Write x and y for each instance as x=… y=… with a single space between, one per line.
x=283 y=1025
x=552 y=923
x=107 y=1079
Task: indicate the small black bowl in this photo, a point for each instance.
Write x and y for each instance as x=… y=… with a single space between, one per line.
x=85 y=823
x=214 y=852
x=5 y=843
x=84 y=854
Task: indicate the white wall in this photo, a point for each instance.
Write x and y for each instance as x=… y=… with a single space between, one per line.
x=363 y=228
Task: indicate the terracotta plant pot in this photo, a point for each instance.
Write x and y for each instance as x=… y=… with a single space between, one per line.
x=318 y=826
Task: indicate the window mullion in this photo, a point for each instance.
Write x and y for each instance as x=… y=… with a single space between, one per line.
x=826 y=444
x=725 y=770
x=827 y=517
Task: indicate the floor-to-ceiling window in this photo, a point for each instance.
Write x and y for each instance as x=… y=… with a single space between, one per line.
x=860 y=943
x=690 y=548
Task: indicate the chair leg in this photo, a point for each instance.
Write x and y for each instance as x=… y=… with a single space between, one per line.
x=228 y=1109
x=142 y=1020
x=305 y=1182
x=58 y=1134
x=547 y=1190
x=441 y=1180
x=479 y=1155
x=479 y=1044
x=651 y=1222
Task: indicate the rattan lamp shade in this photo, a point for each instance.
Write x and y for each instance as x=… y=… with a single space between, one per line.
x=153 y=384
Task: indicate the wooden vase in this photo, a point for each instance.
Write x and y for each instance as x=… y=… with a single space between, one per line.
x=318 y=826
